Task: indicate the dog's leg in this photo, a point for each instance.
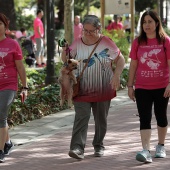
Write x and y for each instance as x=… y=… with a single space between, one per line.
x=72 y=76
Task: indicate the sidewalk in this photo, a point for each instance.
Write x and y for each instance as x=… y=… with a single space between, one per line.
x=44 y=143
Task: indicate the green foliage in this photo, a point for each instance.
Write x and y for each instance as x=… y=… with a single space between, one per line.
x=142 y=5
x=42 y=100
x=120 y=39
x=167 y=31
x=81 y=5
x=23 y=21
x=124 y=78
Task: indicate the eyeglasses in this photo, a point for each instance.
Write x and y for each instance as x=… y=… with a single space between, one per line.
x=89 y=31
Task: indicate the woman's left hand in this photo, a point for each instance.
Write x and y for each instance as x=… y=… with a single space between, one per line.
x=167 y=91
x=115 y=82
x=23 y=95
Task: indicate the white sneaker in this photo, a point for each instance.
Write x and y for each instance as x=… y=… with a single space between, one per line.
x=144 y=156
x=160 y=152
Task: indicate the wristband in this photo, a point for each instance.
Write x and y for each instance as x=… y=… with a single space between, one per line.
x=25 y=88
x=130 y=86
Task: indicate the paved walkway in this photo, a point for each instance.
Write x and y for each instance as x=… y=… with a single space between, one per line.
x=44 y=143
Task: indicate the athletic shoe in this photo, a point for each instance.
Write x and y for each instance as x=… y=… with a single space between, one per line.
x=144 y=156
x=98 y=151
x=160 y=152
x=76 y=153
x=8 y=148
x=2 y=156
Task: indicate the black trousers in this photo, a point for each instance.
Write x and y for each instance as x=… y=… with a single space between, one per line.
x=145 y=100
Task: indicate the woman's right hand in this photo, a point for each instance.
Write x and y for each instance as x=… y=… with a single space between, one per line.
x=131 y=93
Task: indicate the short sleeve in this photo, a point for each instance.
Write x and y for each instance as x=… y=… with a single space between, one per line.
x=113 y=49
x=167 y=45
x=18 y=52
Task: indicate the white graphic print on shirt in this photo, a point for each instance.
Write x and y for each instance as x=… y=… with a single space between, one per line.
x=151 y=62
x=2 y=64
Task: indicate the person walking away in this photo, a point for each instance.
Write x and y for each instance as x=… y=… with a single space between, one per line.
x=149 y=82
x=38 y=36
x=11 y=66
x=98 y=84
x=77 y=27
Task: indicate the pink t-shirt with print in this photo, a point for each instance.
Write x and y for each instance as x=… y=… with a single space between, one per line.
x=152 y=71
x=9 y=52
x=38 y=23
x=95 y=83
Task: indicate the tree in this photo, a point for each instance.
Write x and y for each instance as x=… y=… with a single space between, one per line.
x=8 y=9
x=68 y=19
x=142 y=5
x=82 y=5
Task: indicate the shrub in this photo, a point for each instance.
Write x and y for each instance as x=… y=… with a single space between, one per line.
x=120 y=39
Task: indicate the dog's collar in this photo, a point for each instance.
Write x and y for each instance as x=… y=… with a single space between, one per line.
x=65 y=64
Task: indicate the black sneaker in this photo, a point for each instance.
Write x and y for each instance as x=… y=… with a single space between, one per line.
x=7 y=148
x=2 y=156
x=76 y=153
x=98 y=151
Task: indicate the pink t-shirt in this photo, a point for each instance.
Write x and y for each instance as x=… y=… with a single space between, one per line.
x=9 y=52
x=38 y=23
x=95 y=82
x=78 y=30
x=152 y=70
x=116 y=26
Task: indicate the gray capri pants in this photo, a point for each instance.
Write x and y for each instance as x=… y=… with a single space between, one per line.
x=40 y=47
x=6 y=99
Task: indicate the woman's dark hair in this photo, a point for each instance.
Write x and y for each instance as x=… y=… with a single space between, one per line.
x=39 y=11
x=22 y=30
x=5 y=20
x=160 y=33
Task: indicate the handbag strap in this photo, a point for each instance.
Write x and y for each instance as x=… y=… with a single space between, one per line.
x=89 y=58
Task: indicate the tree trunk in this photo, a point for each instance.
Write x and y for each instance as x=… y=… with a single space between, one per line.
x=7 y=7
x=68 y=19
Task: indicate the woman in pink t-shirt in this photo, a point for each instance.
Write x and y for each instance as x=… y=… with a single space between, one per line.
x=10 y=66
x=149 y=82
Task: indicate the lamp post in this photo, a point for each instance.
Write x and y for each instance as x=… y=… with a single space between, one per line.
x=49 y=10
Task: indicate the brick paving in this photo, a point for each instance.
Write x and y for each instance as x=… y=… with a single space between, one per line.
x=122 y=141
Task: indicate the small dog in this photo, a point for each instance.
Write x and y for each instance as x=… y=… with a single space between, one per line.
x=66 y=80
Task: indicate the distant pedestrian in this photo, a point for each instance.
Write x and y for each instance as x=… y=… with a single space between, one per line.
x=39 y=39
x=77 y=27
x=149 y=82
x=117 y=23
x=11 y=66
x=127 y=27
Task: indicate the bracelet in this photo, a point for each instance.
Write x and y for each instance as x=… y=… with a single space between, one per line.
x=130 y=86
x=25 y=88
